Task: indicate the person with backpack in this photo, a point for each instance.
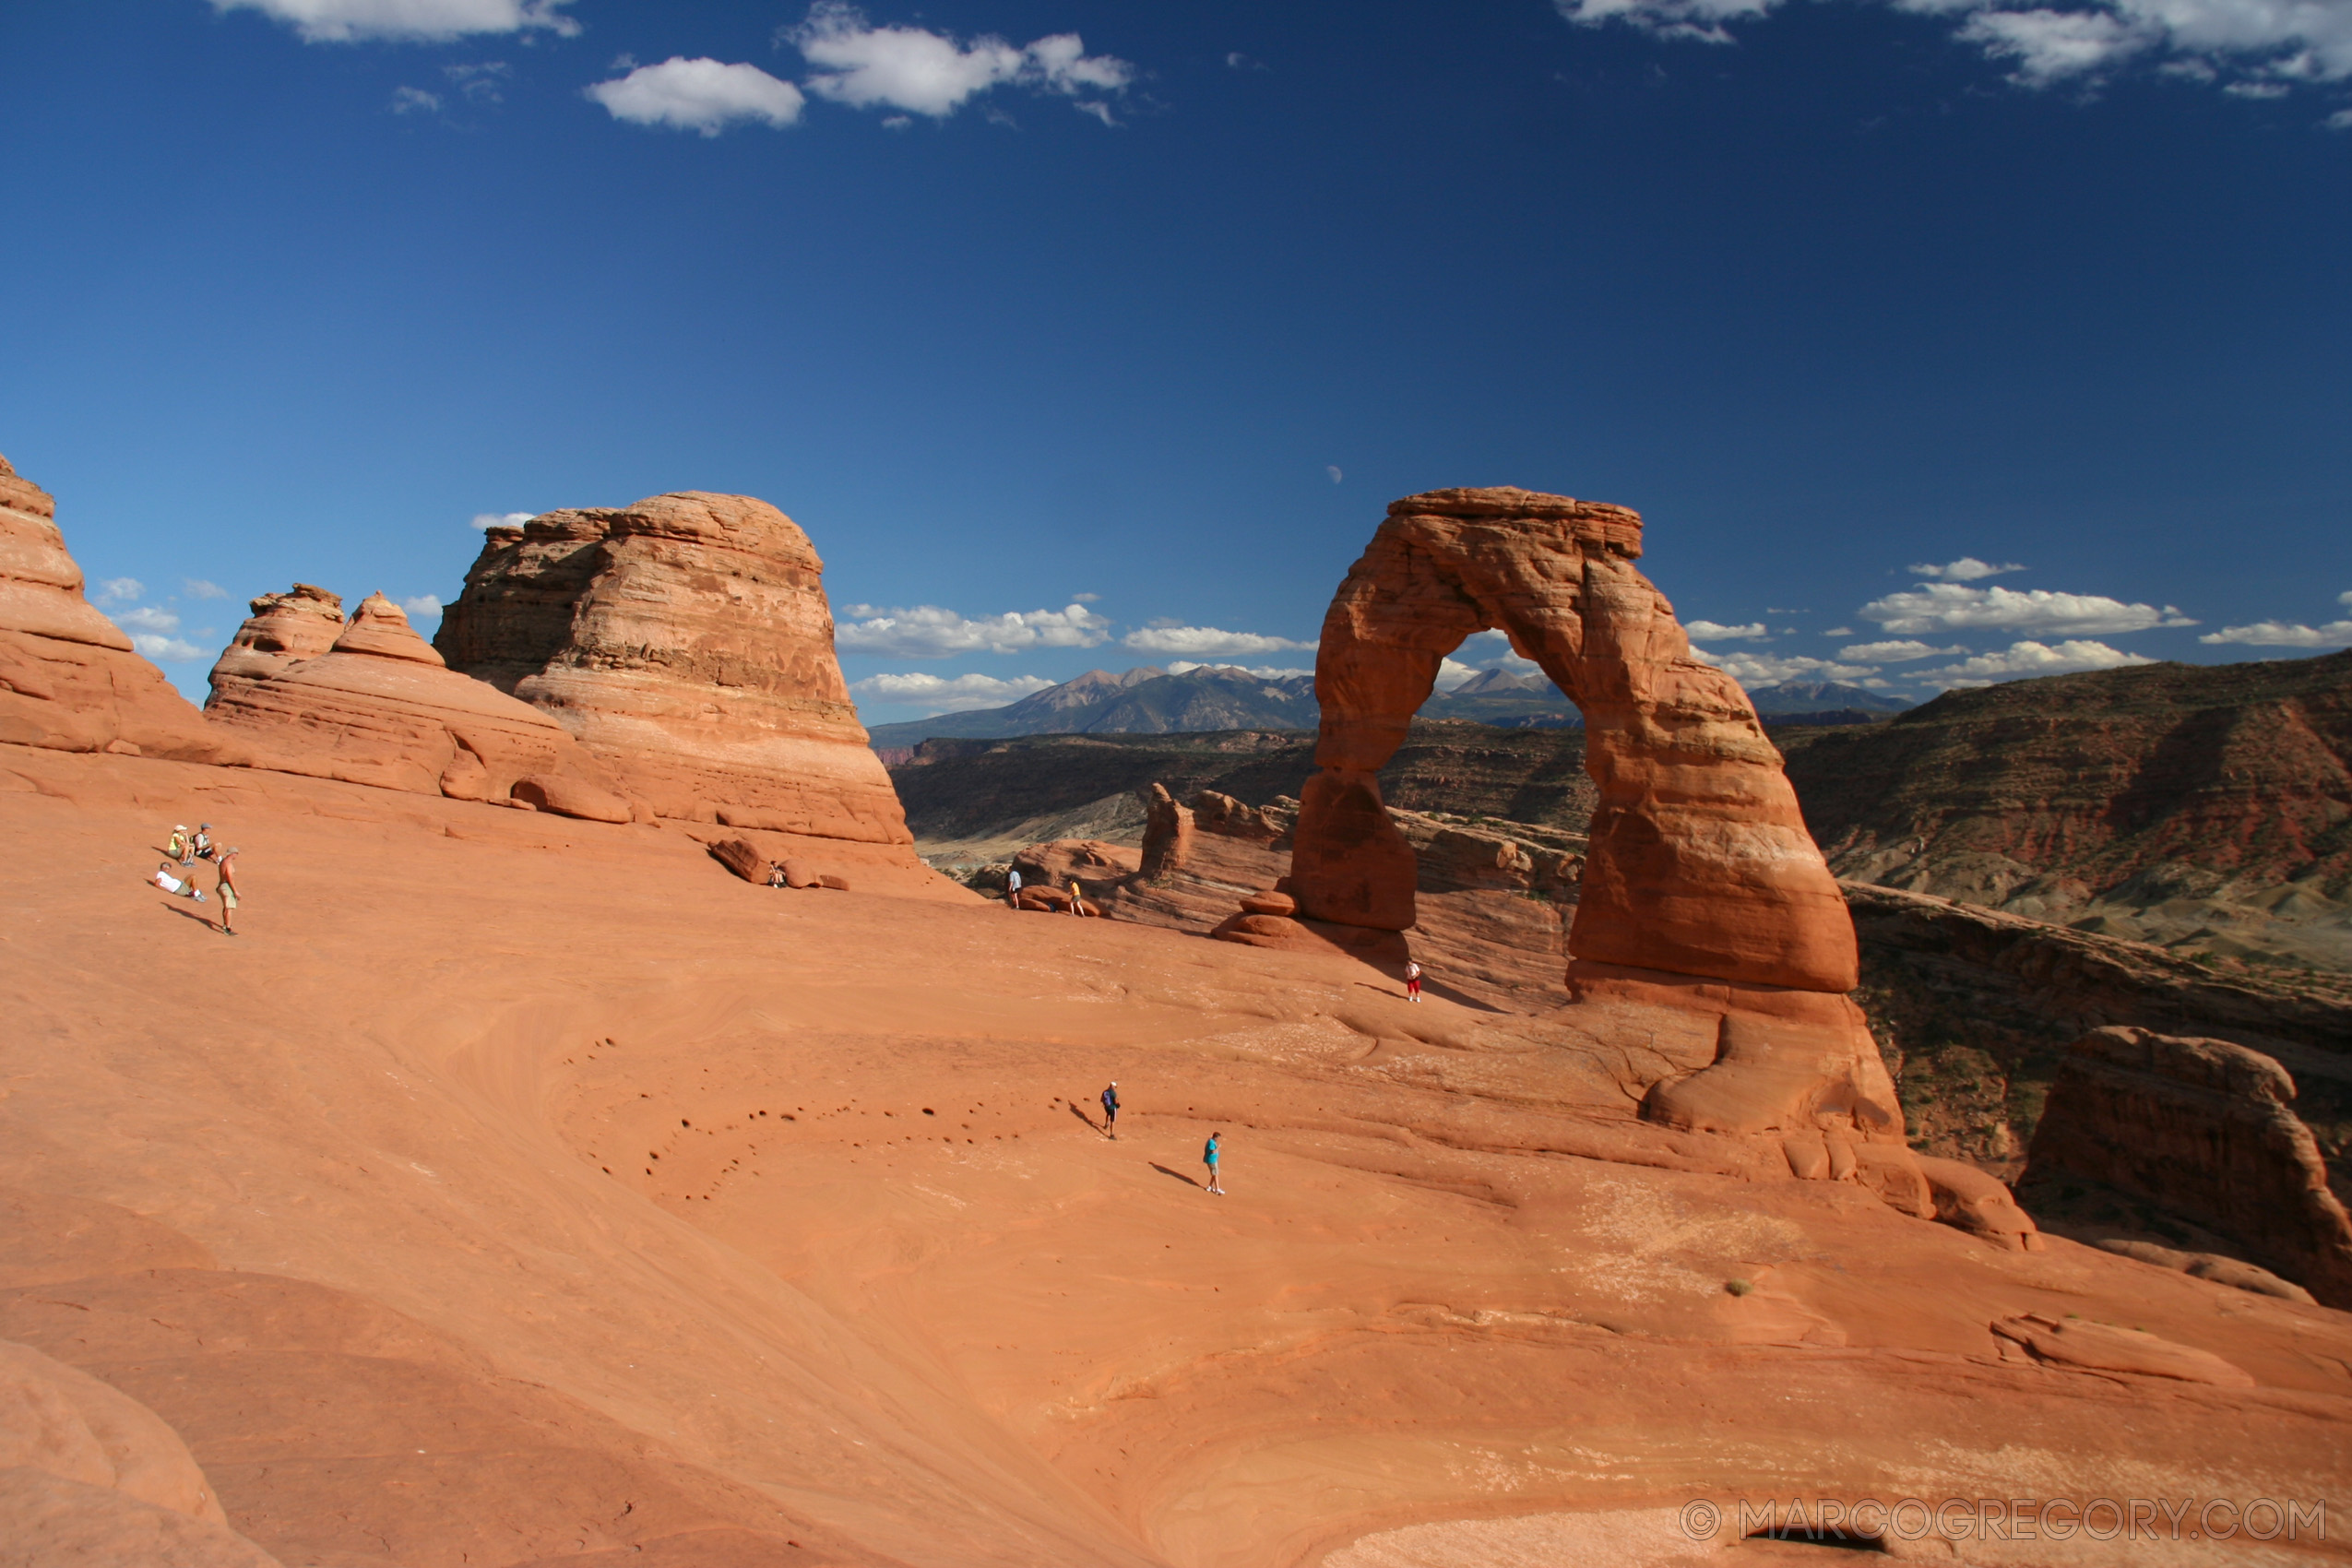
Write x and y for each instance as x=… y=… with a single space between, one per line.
x=1208 y=1158
x=200 y=847
x=1111 y=1109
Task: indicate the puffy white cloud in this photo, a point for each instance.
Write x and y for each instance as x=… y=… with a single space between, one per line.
x=148 y=618
x=1205 y=642
x=422 y=607
x=166 y=650
x=501 y=519
x=2253 y=41
x=2287 y=634
x=930 y=73
x=414 y=100
x=948 y=693
x=1452 y=673
x=118 y=590
x=1263 y=671
x=1951 y=607
x=928 y=632
x=1715 y=632
x=1765 y=670
x=197 y=588
x=1967 y=569
x=424 y=21
x=698 y=95
x=2032 y=659
x=1896 y=652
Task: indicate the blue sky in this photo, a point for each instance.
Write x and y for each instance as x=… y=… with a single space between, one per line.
x=1096 y=335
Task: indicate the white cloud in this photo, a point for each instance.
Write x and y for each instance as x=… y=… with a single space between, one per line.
x=1896 y=652
x=2255 y=41
x=1951 y=607
x=166 y=650
x=414 y=100
x=948 y=695
x=930 y=73
x=119 y=591
x=2288 y=634
x=2032 y=659
x=1207 y=642
x=1715 y=631
x=1452 y=673
x=698 y=95
x=424 y=21
x=148 y=618
x=1263 y=671
x=1967 y=569
x=2339 y=120
x=501 y=519
x=1765 y=670
x=928 y=632
x=1839 y=632
x=1086 y=598
x=422 y=607
x=197 y=588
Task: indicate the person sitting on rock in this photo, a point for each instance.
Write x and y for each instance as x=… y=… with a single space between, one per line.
x=183 y=888
x=201 y=845
x=776 y=874
x=177 y=847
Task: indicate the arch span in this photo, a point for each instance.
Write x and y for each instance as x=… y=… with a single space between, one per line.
x=1700 y=864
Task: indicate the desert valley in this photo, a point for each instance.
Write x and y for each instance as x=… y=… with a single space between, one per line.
x=607 y=1139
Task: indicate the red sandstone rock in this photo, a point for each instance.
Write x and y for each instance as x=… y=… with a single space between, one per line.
x=2204 y=1128
x=686 y=641
x=1700 y=862
x=2106 y=1346
x=1168 y=833
x=572 y=797
x=284 y=629
x=1979 y=1204
x=378 y=708
x=1090 y=860
x=1268 y=904
x=742 y=858
x=1384 y=950
x=69 y=680
x=800 y=873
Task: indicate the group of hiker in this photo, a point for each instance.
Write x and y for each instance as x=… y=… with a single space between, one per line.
x=1110 y=1130
x=1013 y=893
x=175 y=873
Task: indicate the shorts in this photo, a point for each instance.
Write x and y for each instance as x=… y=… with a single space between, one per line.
x=228 y=897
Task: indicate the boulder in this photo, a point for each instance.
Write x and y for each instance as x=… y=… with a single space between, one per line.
x=1979 y=1204
x=2203 y=1128
x=1091 y=861
x=1268 y=904
x=744 y=858
x=571 y=797
x=379 y=707
x=1384 y=950
x=686 y=642
x=69 y=678
x=2103 y=1347
x=800 y=873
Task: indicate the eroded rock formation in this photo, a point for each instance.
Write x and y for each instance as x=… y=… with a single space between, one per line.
x=69 y=678
x=685 y=641
x=2204 y=1129
x=284 y=629
x=379 y=707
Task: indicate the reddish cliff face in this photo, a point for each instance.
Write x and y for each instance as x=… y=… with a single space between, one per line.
x=2174 y=802
x=69 y=677
x=2203 y=1128
x=686 y=642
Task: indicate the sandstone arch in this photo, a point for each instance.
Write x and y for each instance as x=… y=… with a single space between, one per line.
x=1701 y=865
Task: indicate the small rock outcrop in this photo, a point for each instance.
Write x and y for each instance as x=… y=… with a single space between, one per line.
x=685 y=642
x=2202 y=1129
x=379 y=707
x=69 y=678
x=284 y=629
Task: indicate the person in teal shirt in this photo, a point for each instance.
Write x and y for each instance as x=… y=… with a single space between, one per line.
x=1208 y=1158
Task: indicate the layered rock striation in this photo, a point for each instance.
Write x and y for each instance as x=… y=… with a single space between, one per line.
x=2205 y=1129
x=283 y=630
x=686 y=643
x=379 y=707
x=69 y=678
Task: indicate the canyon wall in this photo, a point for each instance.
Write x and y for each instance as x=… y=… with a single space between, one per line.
x=686 y=643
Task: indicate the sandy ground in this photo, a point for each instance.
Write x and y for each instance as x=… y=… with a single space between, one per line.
x=521 y=1191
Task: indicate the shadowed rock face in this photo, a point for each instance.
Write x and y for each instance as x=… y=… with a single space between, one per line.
x=1700 y=864
x=68 y=678
x=686 y=641
x=2205 y=1129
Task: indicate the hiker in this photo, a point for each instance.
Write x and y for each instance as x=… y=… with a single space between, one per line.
x=776 y=874
x=200 y=847
x=1013 y=888
x=1208 y=1158
x=1412 y=981
x=170 y=884
x=1077 y=898
x=227 y=862
x=1111 y=1109
x=177 y=849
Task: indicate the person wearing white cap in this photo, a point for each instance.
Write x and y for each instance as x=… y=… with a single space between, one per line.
x=178 y=849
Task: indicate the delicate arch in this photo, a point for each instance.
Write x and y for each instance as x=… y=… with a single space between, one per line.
x=1700 y=862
